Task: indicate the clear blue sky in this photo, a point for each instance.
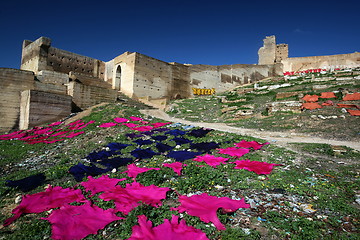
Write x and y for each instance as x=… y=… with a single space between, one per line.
x=196 y=31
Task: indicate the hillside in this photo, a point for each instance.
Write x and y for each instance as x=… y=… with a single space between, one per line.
x=245 y=188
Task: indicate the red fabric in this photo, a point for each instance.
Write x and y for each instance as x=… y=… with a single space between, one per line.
x=101 y=184
x=255 y=166
x=169 y=230
x=327 y=95
x=106 y=125
x=353 y=112
x=130 y=197
x=311 y=98
x=252 y=144
x=211 y=160
x=352 y=97
x=328 y=103
x=53 y=197
x=205 y=207
x=339 y=105
x=133 y=170
x=76 y=222
x=121 y=120
x=233 y=151
x=311 y=105
x=176 y=166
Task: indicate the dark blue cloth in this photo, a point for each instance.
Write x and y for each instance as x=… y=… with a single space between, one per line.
x=117 y=146
x=159 y=138
x=28 y=183
x=143 y=153
x=160 y=130
x=201 y=132
x=79 y=171
x=143 y=142
x=204 y=146
x=175 y=132
x=161 y=147
x=116 y=162
x=180 y=141
x=181 y=156
x=103 y=154
x=134 y=135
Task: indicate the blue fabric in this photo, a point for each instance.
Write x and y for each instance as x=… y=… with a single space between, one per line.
x=181 y=156
x=79 y=171
x=204 y=146
x=160 y=130
x=143 y=142
x=201 y=132
x=175 y=132
x=134 y=135
x=143 y=153
x=28 y=183
x=159 y=138
x=116 y=162
x=103 y=154
x=117 y=146
x=161 y=147
x=180 y=141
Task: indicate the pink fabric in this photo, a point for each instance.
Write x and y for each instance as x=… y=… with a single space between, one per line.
x=74 y=134
x=54 y=124
x=176 y=167
x=169 y=230
x=121 y=120
x=76 y=222
x=130 y=125
x=211 y=160
x=252 y=144
x=62 y=133
x=130 y=197
x=101 y=184
x=255 y=166
x=142 y=128
x=135 y=118
x=133 y=170
x=106 y=125
x=86 y=124
x=233 y=151
x=160 y=124
x=53 y=197
x=205 y=207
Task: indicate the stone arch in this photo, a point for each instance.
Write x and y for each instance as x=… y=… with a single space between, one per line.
x=117 y=78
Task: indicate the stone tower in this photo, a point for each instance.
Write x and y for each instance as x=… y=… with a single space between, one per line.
x=271 y=53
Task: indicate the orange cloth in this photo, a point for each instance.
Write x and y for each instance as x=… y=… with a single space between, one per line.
x=327 y=95
x=353 y=112
x=311 y=106
x=311 y=98
x=352 y=96
x=339 y=105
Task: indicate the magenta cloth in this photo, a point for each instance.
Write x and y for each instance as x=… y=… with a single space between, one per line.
x=176 y=167
x=85 y=125
x=53 y=197
x=252 y=144
x=233 y=151
x=211 y=160
x=160 y=124
x=142 y=128
x=130 y=125
x=121 y=120
x=255 y=166
x=205 y=207
x=106 y=125
x=101 y=184
x=74 y=134
x=133 y=170
x=76 y=222
x=169 y=230
x=135 y=118
x=130 y=197
x=54 y=124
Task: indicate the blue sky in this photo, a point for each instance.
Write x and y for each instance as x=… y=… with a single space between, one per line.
x=196 y=32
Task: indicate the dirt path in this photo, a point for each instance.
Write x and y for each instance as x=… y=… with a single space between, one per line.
x=280 y=138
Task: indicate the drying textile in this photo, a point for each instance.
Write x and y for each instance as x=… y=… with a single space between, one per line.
x=101 y=184
x=255 y=166
x=133 y=170
x=211 y=160
x=233 y=151
x=28 y=183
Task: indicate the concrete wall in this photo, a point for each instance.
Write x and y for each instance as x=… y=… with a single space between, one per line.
x=12 y=82
x=325 y=62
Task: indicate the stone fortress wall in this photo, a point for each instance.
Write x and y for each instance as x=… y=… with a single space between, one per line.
x=52 y=83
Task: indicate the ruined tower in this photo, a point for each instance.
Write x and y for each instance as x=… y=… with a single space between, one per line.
x=271 y=53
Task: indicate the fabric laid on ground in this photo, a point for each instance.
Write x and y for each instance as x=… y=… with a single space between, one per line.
x=53 y=197
x=101 y=184
x=176 y=167
x=142 y=128
x=251 y=144
x=233 y=151
x=211 y=160
x=107 y=125
x=339 y=105
x=111 y=163
x=183 y=155
x=160 y=130
x=175 y=132
x=181 y=141
x=327 y=95
x=143 y=142
x=80 y=171
x=201 y=132
x=255 y=166
x=159 y=138
x=328 y=103
x=76 y=222
x=133 y=170
x=352 y=96
x=133 y=195
x=169 y=230
x=130 y=125
x=205 y=207
x=99 y=155
x=143 y=153
x=353 y=112
x=135 y=118
x=121 y=120
x=311 y=98
x=204 y=146
x=28 y=183
x=311 y=105
x=134 y=135
x=160 y=124
x=162 y=147
x=117 y=146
